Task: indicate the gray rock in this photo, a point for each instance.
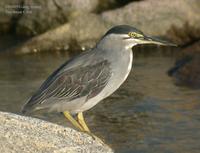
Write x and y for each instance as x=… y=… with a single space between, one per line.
x=83 y=31
x=178 y=20
x=36 y=16
x=50 y=14
x=157 y=17
x=26 y=134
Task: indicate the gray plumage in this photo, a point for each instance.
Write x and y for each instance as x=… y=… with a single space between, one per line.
x=83 y=81
x=72 y=80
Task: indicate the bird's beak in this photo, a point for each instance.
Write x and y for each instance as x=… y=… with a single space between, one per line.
x=154 y=40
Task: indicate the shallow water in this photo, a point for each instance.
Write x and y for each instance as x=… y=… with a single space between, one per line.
x=148 y=114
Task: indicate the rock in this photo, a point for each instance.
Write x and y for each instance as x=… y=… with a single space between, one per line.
x=9 y=40
x=83 y=31
x=186 y=70
x=87 y=29
x=52 y=40
x=50 y=14
x=159 y=18
x=8 y=17
x=26 y=134
x=111 y=4
x=36 y=17
x=177 y=20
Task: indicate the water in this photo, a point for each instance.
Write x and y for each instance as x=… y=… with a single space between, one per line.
x=148 y=114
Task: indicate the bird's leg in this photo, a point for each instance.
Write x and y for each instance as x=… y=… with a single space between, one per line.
x=73 y=121
x=81 y=125
x=81 y=121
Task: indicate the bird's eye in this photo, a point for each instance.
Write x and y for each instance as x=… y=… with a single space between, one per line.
x=132 y=34
x=135 y=35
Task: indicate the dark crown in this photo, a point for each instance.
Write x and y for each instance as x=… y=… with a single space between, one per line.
x=123 y=29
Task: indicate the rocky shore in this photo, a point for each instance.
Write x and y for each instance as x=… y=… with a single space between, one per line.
x=25 y=134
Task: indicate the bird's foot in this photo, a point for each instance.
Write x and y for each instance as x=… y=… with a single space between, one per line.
x=95 y=137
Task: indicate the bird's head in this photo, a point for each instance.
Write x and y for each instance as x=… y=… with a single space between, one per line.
x=129 y=36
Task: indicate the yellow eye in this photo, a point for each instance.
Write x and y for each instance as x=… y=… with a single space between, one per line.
x=134 y=35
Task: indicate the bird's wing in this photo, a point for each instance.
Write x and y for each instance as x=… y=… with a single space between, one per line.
x=73 y=83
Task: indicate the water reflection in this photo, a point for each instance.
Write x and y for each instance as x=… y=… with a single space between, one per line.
x=148 y=114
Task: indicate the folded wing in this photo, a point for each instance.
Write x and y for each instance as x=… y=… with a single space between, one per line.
x=72 y=83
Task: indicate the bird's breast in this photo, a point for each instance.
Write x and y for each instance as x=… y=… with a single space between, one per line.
x=129 y=66
x=120 y=68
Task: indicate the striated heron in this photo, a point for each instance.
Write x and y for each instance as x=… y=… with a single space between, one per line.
x=85 y=80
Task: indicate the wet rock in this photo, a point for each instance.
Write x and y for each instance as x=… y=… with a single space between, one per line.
x=187 y=67
x=159 y=18
x=84 y=30
x=26 y=134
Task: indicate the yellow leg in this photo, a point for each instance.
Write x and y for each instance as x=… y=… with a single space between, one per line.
x=73 y=121
x=81 y=121
x=81 y=125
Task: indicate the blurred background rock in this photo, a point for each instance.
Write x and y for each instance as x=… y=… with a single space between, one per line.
x=56 y=25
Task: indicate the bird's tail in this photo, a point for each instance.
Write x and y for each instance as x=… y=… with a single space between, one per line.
x=27 y=108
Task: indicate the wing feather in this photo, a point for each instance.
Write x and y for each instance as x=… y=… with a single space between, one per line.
x=73 y=83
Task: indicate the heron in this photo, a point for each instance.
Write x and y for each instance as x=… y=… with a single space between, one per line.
x=88 y=78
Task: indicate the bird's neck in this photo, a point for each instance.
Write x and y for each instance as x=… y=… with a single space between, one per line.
x=112 y=46
x=116 y=52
